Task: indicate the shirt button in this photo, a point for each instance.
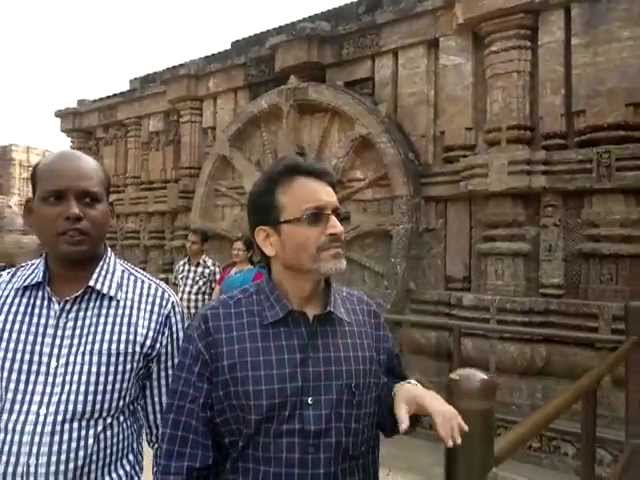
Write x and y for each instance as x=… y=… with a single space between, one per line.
x=311 y=449
x=310 y=401
x=43 y=411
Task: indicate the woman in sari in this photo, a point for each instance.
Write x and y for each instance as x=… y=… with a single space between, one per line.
x=241 y=271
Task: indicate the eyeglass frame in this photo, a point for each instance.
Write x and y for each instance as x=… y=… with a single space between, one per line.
x=342 y=215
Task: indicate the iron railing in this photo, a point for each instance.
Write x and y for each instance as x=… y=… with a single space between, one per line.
x=473 y=393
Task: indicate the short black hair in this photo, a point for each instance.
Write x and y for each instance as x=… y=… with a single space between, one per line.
x=33 y=177
x=203 y=235
x=262 y=206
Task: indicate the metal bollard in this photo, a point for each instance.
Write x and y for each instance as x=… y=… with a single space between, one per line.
x=473 y=393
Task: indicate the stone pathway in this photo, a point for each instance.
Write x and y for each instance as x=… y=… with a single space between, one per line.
x=408 y=458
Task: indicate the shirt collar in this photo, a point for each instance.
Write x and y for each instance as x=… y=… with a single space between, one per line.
x=277 y=307
x=105 y=279
x=202 y=260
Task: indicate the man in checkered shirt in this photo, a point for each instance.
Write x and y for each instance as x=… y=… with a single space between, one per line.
x=196 y=276
x=293 y=377
x=87 y=341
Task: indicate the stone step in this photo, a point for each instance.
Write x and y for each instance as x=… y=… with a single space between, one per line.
x=410 y=458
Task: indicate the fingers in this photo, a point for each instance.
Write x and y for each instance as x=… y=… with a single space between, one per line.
x=450 y=429
x=459 y=428
x=463 y=425
x=402 y=415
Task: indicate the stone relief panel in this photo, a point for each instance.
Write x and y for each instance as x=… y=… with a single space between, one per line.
x=606 y=65
x=507 y=247
x=551 y=274
x=610 y=252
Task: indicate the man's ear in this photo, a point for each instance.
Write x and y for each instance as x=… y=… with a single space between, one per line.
x=27 y=213
x=267 y=240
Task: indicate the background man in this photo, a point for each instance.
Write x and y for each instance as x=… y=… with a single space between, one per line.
x=196 y=275
x=294 y=376
x=87 y=341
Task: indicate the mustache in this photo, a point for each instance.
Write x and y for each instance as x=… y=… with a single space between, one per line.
x=328 y=245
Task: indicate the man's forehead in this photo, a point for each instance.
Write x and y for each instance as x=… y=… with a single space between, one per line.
x=69 y=173
x=302 y=193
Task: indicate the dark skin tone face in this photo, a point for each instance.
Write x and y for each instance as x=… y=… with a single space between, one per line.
x=195 y=246
x=71 y=215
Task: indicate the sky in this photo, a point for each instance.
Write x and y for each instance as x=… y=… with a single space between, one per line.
x=53 y=53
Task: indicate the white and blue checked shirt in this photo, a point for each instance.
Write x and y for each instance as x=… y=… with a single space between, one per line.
x=81 y=378
x=196 y=282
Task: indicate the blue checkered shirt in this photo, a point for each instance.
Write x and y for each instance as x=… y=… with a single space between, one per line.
x=260 y=392
x=81 y=378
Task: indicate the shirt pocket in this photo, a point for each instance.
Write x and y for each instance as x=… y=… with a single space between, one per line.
x=98 y=384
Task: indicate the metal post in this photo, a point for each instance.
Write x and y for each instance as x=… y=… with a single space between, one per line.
x=473 y=393
x=589 y=430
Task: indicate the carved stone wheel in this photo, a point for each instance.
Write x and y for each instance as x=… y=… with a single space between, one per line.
x=336 y=127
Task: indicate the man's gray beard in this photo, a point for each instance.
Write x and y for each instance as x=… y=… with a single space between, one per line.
x=333 y=267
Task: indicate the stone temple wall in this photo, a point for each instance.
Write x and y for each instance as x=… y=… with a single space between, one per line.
x=16 y=162
x=489 y=151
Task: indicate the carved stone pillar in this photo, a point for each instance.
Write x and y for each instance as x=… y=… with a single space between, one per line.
x=505 y=246
x=155 y=243
x=180 y=234
x=134 y=132
x=130 y=239
x=81 y=140
x=508 y=66
x=112 y=236
x=611 y=252
x=114 y=155
x=168 y=260
x=190 y=134
x=551 y=274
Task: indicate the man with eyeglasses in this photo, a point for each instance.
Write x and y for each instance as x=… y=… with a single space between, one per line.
x=293 y=377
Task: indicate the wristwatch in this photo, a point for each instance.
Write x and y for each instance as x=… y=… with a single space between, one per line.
x=409 y=381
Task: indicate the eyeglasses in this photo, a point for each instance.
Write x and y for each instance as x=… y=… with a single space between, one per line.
x=238 y=250
x=319 y=218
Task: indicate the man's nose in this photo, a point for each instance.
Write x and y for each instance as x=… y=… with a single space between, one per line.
x=73 y=209
x=334 y=227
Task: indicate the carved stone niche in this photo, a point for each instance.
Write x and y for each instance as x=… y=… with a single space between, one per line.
x=505 y=248
x=551 y=274
x=335 y=127
x=611 y=250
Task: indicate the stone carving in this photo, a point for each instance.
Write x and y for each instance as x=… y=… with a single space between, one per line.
x=260 y=68
x=551 y=275
x=507 y=63
x=108 y=115
x=361 y=44
x=604 y=166
x=610 y=252
x=374 y=183
x=506 y=244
